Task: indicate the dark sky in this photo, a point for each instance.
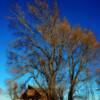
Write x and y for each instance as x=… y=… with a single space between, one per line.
x=79 y=12
x=83 y=12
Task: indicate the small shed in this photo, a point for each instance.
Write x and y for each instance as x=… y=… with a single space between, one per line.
x=33 y=93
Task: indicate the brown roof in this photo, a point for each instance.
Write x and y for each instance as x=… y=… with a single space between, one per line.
x=33 y=93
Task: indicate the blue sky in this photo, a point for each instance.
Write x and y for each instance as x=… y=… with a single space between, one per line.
x=83 y=12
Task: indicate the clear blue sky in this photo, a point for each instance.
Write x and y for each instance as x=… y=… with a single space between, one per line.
x=83 y=12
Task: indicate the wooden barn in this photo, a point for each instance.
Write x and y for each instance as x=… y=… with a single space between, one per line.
x=33 y=94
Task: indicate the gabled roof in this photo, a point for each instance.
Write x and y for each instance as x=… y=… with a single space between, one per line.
x=34 y=93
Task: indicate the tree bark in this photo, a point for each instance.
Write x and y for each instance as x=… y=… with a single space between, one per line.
x=70 y=94
x=61 y=98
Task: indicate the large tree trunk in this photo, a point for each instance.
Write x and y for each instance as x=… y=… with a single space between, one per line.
x=70 y=94
x=61 y=98
x=52 y=89
x=52 y=97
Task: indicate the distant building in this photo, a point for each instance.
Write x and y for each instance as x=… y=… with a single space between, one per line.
x=33 y=94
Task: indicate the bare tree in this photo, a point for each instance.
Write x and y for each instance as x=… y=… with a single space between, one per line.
x=12 y=89
x=36 y=53
x=49 y=49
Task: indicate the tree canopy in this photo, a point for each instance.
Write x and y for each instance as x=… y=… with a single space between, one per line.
x=53 y=52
